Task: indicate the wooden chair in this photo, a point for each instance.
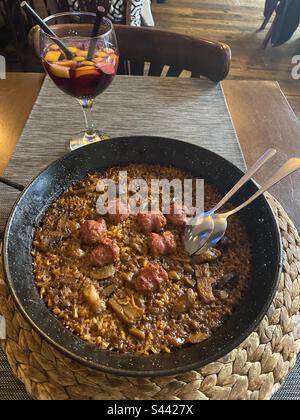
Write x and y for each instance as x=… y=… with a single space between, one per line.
x=56 y=6
x=140 y=46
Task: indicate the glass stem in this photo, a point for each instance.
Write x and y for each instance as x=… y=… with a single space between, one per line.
x=87 y=105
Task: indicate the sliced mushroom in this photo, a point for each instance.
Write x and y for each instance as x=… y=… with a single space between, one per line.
x=129 y=314
x=190 y=281
x=93 y=299
x=119 y=311
x=137 y=333
x=198 y=337
x=108 y=290
x=103 y=273
x=209 y=256
x=204 y=289
x=185 y=303
x=202 y=270
x=175 y=341
x=188 y=269
x=133 y=312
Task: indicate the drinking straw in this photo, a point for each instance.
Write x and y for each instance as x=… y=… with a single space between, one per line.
x=46 y=29
x=95 y=32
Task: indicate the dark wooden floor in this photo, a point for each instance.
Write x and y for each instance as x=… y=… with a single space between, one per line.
x=235 y=22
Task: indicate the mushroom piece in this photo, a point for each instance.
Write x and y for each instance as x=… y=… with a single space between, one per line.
x=93 y=299
x=103 y=273
x=185 y=303
x=175 y=341
x=204 y=283
x=108 y=290
x=209 y=256
x=128 y=314
x=202 y=270
x=204 y=289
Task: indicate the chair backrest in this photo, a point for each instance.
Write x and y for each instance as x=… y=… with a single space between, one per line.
x=139 y=46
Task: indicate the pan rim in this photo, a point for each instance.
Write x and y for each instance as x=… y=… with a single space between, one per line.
x=127 y=371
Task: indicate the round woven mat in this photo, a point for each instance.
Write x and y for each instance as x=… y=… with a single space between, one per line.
x=255 y=370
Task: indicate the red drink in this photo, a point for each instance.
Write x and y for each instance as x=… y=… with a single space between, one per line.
x=79 y=77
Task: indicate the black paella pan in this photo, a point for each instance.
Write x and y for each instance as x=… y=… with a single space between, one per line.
x=52 y=182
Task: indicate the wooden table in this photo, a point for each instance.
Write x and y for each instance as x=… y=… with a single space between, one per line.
x=261 y=115
x=17 y=96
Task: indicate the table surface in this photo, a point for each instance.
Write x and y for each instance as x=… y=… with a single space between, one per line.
x=261 y=115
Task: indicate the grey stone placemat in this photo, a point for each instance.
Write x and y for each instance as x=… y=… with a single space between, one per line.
x=186 y=109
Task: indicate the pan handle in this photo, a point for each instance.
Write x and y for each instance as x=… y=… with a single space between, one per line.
x=12 y=184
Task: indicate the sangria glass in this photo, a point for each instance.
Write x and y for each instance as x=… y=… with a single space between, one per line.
x=91 y=67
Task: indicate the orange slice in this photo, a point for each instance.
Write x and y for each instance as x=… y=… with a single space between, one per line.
x=81 y=53
x=60 y=71
x=101 y=54
x=85 y=71
x=54 y=47
x=52 y=56
x=79 y=59
x=73 y=50
x=86 y=63
x=66 y=63
x=99 y=59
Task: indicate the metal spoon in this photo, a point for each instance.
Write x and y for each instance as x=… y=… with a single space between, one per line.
x=220 y=220
x=201 y=226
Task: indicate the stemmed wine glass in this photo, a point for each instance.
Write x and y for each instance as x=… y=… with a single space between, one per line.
x=89 y=68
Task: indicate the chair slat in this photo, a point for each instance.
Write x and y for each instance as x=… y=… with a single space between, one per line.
x=136 y=68
x=179 y=53
x=155 y=69
x=174 y=71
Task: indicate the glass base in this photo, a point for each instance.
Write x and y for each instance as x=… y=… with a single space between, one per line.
x=83 y=139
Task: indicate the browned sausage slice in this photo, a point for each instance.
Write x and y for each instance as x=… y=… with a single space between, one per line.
x=162 y=244
x=150 y=278
x=93 y=231
x=107 y=252
x=153 y=221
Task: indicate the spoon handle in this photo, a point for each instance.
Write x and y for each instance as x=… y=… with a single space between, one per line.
x=288 y=168
x=248 y=175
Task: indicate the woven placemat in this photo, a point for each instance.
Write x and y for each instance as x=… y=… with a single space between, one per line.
x=253 y=371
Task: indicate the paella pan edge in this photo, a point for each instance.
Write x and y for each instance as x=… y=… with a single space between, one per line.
x=53 y=181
